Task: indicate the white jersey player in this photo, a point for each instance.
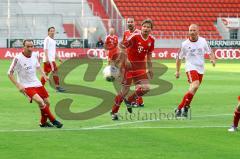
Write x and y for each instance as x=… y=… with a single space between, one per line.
x=193 y=50
x=194 y=53
x=49 y=57
x=25 y=65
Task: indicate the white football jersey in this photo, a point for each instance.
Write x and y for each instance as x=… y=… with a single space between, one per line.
x=50 y=45
x=194 y=52
x=25 y=67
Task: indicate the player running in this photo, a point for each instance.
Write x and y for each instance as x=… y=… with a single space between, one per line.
x=111 y=45
x=132 y=30
x=50 y=54
x=193 y=50
x=25 y=65
x=140 y=46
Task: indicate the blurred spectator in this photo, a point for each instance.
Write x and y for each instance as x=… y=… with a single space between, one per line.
x=99 y=43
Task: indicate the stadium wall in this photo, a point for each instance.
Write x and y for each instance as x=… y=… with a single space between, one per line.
x=159 y=53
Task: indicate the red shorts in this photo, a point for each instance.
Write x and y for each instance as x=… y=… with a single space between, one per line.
x=113 y=54
x=134 y=76
x=49 y=67
x=41 y=91
x=193 y=75
x=239 y=98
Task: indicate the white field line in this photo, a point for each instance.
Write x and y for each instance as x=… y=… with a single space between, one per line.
x=145 y=121
x=115 y=126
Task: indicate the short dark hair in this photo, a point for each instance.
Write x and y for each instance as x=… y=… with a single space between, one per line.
x=131 y=18
x=27 y=40
x=50 y=28
x=149 y=21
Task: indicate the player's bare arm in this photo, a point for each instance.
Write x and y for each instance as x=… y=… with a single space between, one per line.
x=123 y=55
x=59 y=58
x=46 y=55
x=212 y=59
x=120 y=59
x=46 y=51
x=18 y=85
x=178 y=67
x=149 y=65
x=42 y=73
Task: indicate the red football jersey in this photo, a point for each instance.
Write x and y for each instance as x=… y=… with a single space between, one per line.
x=138 y=48
x=111 y=42
x=128 y=33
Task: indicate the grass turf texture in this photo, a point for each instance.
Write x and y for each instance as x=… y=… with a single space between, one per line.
x=204 y=136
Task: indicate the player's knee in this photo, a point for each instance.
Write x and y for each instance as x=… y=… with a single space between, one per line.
x=238 y=106
x=55 y=73
x=125 y=87
x=146 y=89
x=46 y=102
x=40 y=103
x=195 y=86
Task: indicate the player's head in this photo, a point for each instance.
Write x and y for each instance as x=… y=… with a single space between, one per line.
x=147 y=26
x=51 y=32
x=28 y=46
x=130 y=23
x=111 y=31
x=193 y=31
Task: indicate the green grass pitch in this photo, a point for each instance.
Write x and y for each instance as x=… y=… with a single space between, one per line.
x=204 y=136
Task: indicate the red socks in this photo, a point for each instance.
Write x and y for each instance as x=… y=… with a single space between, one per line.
x=56 y=80
x=118 y=100
x=43 y=81
x=47 y=113
x=43 y=117
x=138 y=93
x=186 y=100
x=236 y=118
x=139 y=100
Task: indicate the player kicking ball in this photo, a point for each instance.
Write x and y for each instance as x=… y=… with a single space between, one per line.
x=25 y=65
x=132 y=30
x=193 y=50
x=236 y=118
x=140 y=46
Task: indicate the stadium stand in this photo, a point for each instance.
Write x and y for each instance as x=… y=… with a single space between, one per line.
x=71 y=30
x=98 y=9
x=172 y=17
x=31 y=19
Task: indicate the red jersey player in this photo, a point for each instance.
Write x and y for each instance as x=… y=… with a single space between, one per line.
x=140 y=46
x=25 y=65
x=131 y=30
x=193 y=50
x=111 y=45
x=236 y=117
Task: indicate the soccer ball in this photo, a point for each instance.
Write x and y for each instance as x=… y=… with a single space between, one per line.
x=110 y=73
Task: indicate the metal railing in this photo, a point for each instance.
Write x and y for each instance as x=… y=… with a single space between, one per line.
x=118 y=22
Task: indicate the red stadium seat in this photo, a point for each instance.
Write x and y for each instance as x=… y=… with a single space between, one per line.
x=177 y=15
x=71 y=30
